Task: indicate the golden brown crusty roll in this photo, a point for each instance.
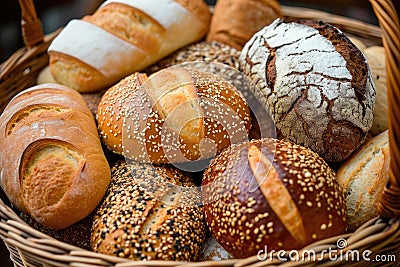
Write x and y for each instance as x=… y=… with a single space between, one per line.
x=271 y=193
x=149 y=213
x=363 y=176
x=175 y=115
x=53 y=166
x=124 y=36
x=235 y=21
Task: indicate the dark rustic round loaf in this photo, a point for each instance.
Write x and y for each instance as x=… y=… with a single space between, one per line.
x=149 y=213
x=317 y=84
x=271 y=193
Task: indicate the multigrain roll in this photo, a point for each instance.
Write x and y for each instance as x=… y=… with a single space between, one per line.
x=363 y=177
x=316 y=83
x=52 y=164
x=121 y=37
x=271 y=193
x=175 y=115
x=207 y=52
x=149 y=213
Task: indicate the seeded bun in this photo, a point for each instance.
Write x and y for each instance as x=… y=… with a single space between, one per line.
x=316 y=83
x=363 y=177
x=199 y=52
x=172 y=116
x=271 y=193
x=149 y=213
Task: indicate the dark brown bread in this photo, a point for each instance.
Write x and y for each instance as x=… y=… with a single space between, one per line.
x=271 y=193
x=317 y=85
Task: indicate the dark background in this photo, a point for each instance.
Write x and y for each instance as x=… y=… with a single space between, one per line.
x=56 y=13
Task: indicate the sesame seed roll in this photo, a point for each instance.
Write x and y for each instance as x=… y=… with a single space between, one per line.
x=271 y=193
x=149 y=213
x=175 y=115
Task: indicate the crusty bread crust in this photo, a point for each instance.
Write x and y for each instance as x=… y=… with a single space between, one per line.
x=127 y=36
x=54 y=168
x=195 y=106
x=364 y=176
x=235 y=21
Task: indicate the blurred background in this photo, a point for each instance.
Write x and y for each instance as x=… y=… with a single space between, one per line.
x=56 y=13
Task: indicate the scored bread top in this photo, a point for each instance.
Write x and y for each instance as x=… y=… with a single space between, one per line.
x=53 y=166
x=122 y=37
x=140 y=121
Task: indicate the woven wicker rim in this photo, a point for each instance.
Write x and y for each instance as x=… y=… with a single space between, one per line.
x=29 y=247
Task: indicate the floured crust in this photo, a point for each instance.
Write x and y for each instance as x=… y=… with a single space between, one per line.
x=132 y=25
x=122 y=37
x=317 y=84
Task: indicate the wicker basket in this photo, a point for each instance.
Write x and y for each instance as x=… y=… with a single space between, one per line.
x=380 y=236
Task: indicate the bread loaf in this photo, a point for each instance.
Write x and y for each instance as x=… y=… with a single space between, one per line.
x=271 y=193
x=53 y=166
x=316 y=83
x=363 y=177
x=215 y=52
x=175 y=115
x=235 y=21
x=121 y=37
x=377 y=63
x=149 y=213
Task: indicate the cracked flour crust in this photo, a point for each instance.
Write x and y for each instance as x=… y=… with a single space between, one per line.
x=316 y=83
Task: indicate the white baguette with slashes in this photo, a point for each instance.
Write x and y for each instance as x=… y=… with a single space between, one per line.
x=121 y=37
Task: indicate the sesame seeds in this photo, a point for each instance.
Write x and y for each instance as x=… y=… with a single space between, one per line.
x=129 y=121
x=304 y=175
x=132 y=223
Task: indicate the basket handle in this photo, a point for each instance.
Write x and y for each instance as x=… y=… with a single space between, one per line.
x=32 y=31
x=389 y=204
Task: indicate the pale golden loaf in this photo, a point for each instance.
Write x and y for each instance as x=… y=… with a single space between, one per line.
x=52 y=164
x=121 y=37
x=377 y=64
x=363 y=176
